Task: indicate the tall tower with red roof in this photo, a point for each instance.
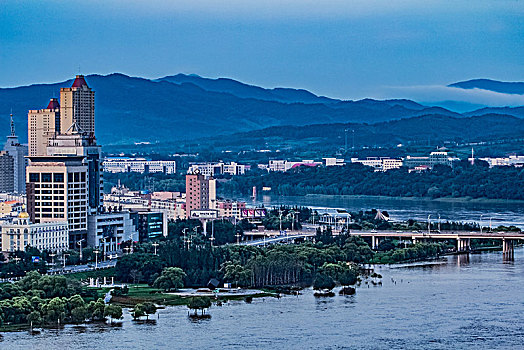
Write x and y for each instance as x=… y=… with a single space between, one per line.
x=77 y=106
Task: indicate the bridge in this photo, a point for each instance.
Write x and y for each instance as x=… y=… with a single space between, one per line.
x=463 y=238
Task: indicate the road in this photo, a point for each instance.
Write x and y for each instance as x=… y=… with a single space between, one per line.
x=82 y=268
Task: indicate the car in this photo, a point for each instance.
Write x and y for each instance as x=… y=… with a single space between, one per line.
x=373 y=231
x=399 y=231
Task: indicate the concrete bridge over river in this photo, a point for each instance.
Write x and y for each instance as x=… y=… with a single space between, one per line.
x=463 y=238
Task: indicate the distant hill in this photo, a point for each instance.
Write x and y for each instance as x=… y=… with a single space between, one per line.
x=434 y=128
x=492 y=85
x=183 y=108
x=130 y=109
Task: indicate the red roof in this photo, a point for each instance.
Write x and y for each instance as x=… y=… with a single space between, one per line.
x=53 y=104
x=79 y=81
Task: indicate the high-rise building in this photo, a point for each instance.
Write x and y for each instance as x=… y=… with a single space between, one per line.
x=42 y=125
x=197 y=192
x=77 y=143
x=7 y=179
x=77 y=105
x=18 y=152
x=57 y=190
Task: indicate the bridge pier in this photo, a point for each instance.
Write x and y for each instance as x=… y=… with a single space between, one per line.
x=374 y=242
x=507 y=250
x=463 y=244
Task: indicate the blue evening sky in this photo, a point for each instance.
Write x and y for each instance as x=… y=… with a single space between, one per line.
x=345 y=49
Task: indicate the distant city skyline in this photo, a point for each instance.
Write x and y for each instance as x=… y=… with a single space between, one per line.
x=340 y=49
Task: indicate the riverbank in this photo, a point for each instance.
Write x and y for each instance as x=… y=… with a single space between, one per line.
x=441 y=199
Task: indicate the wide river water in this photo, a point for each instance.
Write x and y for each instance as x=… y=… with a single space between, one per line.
x=500 y=212
x=458 y=303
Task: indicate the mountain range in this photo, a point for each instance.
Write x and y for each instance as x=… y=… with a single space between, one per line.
x=182 y=107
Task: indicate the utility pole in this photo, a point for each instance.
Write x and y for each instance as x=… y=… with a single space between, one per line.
x=429 y=224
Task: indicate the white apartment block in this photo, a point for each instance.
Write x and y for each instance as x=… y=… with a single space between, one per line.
x=379 y=164
x=285 y=165
x=213 y=169
x=333 y=162
x=513 y=160
x=20 y=233
x=138 y=165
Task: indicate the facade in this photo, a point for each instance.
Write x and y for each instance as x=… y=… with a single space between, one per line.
x=77 y=105
x=7 y=177
x=107 y=231
x=285 y=165
x=138 y=165
x=10 y=208
x=57 y=190
x=18 y=152
x=197 y=193
x=512 y=160
x=149 y=225
x=42 y=125
x=220 y=168
x=437 y=157
x=333 y=162
x=20 y=233
x=78 y=144
x=379 y=163
x=230 y=209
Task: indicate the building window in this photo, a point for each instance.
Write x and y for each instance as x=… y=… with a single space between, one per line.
x=34 y=177
x=46 y=177
x=58 y=177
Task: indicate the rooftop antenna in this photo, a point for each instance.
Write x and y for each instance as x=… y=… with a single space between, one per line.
x=12 y=123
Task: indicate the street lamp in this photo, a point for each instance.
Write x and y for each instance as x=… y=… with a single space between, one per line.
x=429 y=224
x=96 y=251
x=80 y=244
x=438 y=223
x=64 y=258
x=155 y=245
x=52 y=255
x=480 y=222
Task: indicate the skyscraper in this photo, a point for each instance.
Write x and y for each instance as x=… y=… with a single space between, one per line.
x=77 y=143
x=18 y=153
x=42 y=125
x=57 y=190
x=77 y=105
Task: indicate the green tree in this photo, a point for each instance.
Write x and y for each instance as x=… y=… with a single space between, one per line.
x=199 y=303
x=149 y=308
x=113 y=312
x=171 y=278
x=323 y=282
x=138 y=311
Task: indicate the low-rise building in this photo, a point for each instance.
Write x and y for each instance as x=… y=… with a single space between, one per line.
x=21 y=233
x=108 y=230
x=149 y=224
x=512 y=160
x=11 y=208
x=379 y=163
x=138 y=165
x=209 y=169
x=230 y=209
x=333 y=162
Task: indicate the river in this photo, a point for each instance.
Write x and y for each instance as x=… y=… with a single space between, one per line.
x=500 y=212
x=459 y=303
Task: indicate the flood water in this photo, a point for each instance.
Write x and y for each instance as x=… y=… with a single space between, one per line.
x=463 y=303
x=500 y=212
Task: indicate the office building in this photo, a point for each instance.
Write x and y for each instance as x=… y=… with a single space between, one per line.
x=149 y=224
x=18 y=152
x=57 y=190
x=7 y=178
x=77 y=143
x=77 y=105
x=42 y=125
x=108 y=230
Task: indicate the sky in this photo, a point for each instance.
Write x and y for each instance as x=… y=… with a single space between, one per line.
x=338 y=48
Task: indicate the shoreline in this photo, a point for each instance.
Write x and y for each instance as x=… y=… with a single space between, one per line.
x=425 y=199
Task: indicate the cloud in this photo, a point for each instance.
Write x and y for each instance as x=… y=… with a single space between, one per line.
x=438 y=93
